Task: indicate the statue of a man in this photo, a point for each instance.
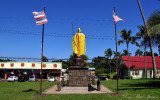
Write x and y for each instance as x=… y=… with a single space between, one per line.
x=78 y=43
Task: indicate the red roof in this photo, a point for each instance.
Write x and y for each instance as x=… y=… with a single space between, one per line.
x=138 y=62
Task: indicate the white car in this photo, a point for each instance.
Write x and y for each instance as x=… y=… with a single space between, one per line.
x=33 y=78
x=62 y=78
x=51 y=79
x=12 y=78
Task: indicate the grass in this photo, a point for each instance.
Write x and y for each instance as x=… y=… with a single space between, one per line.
x=143 y=89
x=105 y=74
x=140 y=88
x=21 y=90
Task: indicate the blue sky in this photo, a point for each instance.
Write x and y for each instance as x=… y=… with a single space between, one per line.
x=21 y=37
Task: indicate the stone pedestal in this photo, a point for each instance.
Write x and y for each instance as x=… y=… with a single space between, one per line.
x=78 y=74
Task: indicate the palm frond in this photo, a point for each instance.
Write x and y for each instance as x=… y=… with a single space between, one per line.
x=137 y=44
x=154 y=30
x=154 y=18
x=120 y=42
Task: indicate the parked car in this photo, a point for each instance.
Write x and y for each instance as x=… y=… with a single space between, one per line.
x=103 y=78
x=33 y=78
x=51 y=79
x=12 y=78
x=62 y=78
x=23 y=78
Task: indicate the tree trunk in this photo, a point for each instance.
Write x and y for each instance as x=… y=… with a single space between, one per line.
x=153 y=61
x=150 y=44
x=128 y=60
x=145 y=71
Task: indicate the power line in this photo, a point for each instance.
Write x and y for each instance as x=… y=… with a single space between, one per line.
x=56 y=34
x=56 y=59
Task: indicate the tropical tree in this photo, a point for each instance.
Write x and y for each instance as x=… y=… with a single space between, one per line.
x=127 y=38
x=138 y=52
x=119 y=55
x=150 y=54
x=85 y=57
x=147 y=41
x=142 y=34
x=108 y=54
x=154 y=18
x=44 y=59
x=153 y=31
x=100 y=64
x=125 y=53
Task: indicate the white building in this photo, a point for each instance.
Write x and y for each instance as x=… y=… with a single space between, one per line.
x=137 y=66
x=30 y=68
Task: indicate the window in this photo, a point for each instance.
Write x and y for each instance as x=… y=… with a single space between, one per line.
x=158 y=71
x=2 y=65
x=33 y=64
x=12 y=65
x=54 y=65
x=22 y=64
x=44 y=66
x=135 y=72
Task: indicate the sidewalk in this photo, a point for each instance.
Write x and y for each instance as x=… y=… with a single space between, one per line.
x=78 y=90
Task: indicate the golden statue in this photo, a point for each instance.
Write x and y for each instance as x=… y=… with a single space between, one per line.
x=78 y=43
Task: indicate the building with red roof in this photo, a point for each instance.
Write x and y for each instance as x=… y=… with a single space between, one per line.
x=137 y=66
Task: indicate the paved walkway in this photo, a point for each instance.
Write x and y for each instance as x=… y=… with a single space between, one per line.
x=78 y=90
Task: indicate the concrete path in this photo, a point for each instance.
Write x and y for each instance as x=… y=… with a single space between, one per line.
x=78 y=90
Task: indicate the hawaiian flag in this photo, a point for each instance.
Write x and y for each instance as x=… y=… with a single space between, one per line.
x=116 y=18
x=40 y=17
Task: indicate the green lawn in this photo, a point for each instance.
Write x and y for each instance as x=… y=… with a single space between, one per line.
x=133 y=89
x=140 y=88
x=21 y=90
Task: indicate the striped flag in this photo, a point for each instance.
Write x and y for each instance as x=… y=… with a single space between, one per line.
x=40 y=17
x=116 y=18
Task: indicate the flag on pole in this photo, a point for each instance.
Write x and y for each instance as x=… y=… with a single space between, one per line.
x=40 y=17
x=116 y=18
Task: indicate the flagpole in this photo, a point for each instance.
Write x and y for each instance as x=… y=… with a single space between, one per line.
x=42 y=56
x=116 y=50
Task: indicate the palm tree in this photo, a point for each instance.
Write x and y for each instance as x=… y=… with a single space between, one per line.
x=149 y=28
x=148 y=41
x=153 y=30
x=138 y=52
x=126 y=38
x=119 y=55
x=108 y=54
x=125 y=53
x=154 y=18
x=142 y=34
